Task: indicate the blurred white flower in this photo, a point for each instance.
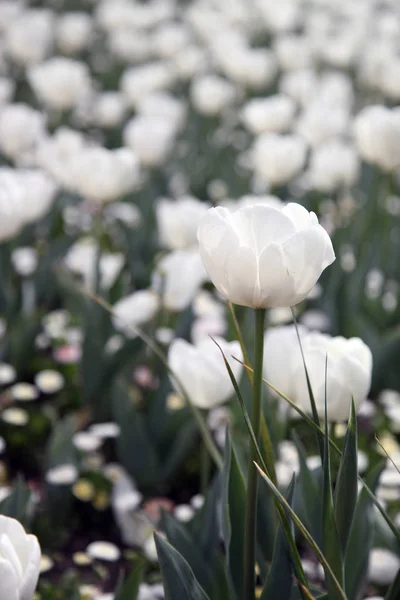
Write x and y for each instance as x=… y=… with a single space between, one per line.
x=135 y=309
x=278 y=158
x=109 y=109
x=272 y=114
x=320 y=122
x=21 y=130
x=19 y=562
x=54 y=154
x=287 y=18
x=74 y=32
x=211 y=94
x=138 y=82
x=30 y=36
x=81 y=259
x=170 y=38
x=151 y=138
x=101 y=175
x=348 y=374
x=39 y=191
x=7 y=87
x=281 y=348
x=294 y=52
x=163 y=104
x=382 y=566
x=129 y=44
x=202 y=372
x=377 y=136
x=178 y=277
x=301 y=85
x=333 y=165
x=261 y=256
x=25 y=260
x=178 y=221
x=60 y=83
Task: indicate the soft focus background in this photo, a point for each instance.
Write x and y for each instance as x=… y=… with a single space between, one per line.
x=121 y=122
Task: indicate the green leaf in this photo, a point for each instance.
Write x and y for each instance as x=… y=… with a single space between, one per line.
x=180 y=538
x=309 y=493
x=178 y=578
x=346 y=485
x=279 y=583
x=295 y=554
x=15 y=505
x=361 y=538
x=331 y=541
x=306 y=534
x=130 y=589
x=394 y=590
x=310 y=391
x=179 y=450
x=234 y=504
x=135 y=448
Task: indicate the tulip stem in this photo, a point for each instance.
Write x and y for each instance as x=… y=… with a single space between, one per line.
x=252 y=477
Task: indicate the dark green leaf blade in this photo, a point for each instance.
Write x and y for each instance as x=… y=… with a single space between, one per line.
x=234 y=503
x=346 y=485
x=279 y=583
x=330 y=536
x=130 y=588
x=178 y=578
x=361 y=538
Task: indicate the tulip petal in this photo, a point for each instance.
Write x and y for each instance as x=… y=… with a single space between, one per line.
x=8 y=552
x=31 y=574
x=276 y=284
x=258 y=225
x=9 y=584
x=305 y=258
x=242 y=276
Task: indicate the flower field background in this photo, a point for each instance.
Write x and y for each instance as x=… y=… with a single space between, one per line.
x=166 y=167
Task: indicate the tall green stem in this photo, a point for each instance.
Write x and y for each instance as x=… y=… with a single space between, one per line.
x=252 y=477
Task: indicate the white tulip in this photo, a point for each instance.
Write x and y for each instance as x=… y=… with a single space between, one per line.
x=280 y=343
x=136 y=309
x=138 y=82
x=301 y=85
x=348 y=374
x=377 y=136
x=178 y=221
x=109 y=109
x=74 y=32
x=81 y=259
x=273 y=114
x=151 y=138
x=40 y=192
x=21 y=130
x=30 y=36
x=320 y=122
x=333 y=165
x=60 y=83
x=178 y=278
x=12 y=195
x=294 y=52
x=54 y=154
x=101 y=175
x=164 y=105
x=19 y=561
x=263 y=257
x=129 y=44
x=211 y=94
x=278 y=158
x=201 y=370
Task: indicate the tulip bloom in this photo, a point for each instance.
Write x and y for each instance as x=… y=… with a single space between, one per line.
x=264 y=257
x=19 y=561
x=201 y=370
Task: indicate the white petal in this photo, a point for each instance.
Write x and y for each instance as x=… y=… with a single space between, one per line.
x=9 y=584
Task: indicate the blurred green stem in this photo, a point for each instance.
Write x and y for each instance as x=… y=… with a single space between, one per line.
x=252 y=478
x=205 y=464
